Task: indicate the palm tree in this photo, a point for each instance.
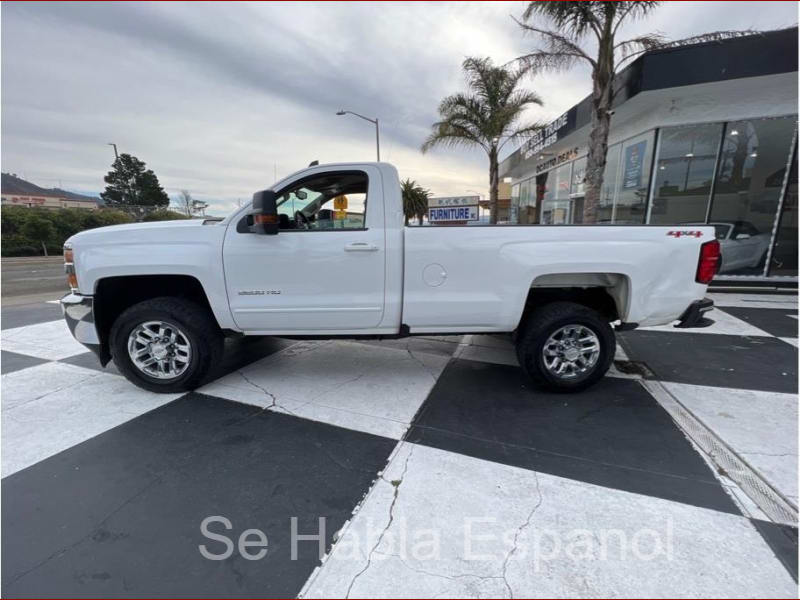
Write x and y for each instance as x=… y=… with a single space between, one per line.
x=415 y=200
x=486 y=116
x=564 y=44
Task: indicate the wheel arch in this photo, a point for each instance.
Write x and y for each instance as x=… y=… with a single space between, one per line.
x=113 y=295
x=607 y=293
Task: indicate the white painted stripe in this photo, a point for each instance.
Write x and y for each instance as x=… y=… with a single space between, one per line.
x=52 y=407
x=51 y=340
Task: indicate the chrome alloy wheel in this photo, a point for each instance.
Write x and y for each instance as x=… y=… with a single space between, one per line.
x=159 y=349
x=571 y=351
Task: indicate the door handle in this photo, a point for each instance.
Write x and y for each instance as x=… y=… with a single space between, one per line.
x=360 y=247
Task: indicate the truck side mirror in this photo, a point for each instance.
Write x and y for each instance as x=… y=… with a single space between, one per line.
x=265 y=213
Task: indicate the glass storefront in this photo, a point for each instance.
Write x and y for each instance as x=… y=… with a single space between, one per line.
x=684 y=173
x=750 y=180
x=731 y=175
x=783 y=261
x=556 y=205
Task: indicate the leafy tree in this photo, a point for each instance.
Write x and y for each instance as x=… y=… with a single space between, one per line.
x=487 y=116
x=568 y=32
x=21 y=240
x=38 y=229
x=131 y=183
x=164 y=214
x=185 y=203
x=415 y=200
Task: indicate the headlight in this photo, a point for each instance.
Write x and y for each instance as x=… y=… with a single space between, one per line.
x=69 y=267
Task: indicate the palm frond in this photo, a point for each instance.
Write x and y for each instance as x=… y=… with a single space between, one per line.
x=524 y=132
x=487 y=112
x=643 y=43
x=556 y=51
x=575 y=19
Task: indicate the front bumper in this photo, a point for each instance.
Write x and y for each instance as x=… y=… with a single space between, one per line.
x=694 y=315
x=78 y=311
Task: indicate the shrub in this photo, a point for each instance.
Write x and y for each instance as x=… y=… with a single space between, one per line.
x=164 y=214
x=24 y=229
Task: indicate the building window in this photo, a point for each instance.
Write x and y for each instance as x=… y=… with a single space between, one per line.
x=577 y=189
x=527 y=202
x=555 y=199
x=747 y=192
x=687 y=157
x=608 y=193
x=513 y=208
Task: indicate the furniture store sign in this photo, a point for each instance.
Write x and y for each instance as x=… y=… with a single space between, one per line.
x=453 y=208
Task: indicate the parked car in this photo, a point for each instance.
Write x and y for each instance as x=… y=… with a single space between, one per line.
x=159 y=297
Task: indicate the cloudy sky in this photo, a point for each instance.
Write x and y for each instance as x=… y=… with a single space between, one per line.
x=217 y=98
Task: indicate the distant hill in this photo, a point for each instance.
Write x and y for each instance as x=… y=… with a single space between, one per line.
x=11 y=184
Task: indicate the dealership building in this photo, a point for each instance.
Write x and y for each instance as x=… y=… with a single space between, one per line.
x=700 y=134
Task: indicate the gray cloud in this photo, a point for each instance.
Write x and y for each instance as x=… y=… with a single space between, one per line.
x=218 y=97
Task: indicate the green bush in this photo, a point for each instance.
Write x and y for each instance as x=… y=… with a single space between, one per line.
x=164 y=214
x=24 y=229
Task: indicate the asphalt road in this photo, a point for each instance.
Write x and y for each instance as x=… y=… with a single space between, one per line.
x=33 y=277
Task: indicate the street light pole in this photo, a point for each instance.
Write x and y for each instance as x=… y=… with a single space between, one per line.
x=373 y=121
x=116 y=154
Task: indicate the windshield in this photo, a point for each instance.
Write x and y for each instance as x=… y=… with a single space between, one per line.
x=297 y=200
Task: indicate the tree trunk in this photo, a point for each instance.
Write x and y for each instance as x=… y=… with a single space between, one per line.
x=596 y=162
x=603 y=80
x=493 y=184
x=44 y=248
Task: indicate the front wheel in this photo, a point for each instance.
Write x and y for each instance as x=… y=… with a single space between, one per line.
x=166 y=344
x=566 y=347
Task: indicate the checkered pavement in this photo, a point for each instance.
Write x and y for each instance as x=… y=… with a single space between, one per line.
x=436 y=468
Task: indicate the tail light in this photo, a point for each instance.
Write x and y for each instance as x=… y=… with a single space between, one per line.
x=708 y=264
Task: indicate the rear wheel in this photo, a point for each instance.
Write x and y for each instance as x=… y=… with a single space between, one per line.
x=566 y=347
x=166 y=344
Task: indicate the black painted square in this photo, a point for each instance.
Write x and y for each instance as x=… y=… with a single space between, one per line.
x=89 y=360
x=613 y=434
x=751 y=363
x=119 y=515
x=781 y=322
x=30 y=314
x=783 y=541
x=12 y=361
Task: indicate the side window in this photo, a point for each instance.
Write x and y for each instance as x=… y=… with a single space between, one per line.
x=328 y=201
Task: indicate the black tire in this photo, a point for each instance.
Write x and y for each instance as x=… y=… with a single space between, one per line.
x=547 y=320
x=195 y=322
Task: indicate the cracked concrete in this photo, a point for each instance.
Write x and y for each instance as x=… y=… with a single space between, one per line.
x=364 y=387
x=395 y=483
x=461 y=527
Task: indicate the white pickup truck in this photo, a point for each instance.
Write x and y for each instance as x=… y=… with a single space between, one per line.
x=324 y=253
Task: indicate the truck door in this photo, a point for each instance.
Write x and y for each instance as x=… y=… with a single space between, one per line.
x=325 y=269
